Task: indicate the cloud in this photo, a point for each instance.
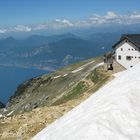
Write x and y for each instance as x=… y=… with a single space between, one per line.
x=67 y=22
x=59 y=24
x=42 y=26
x=2 y=31
x=22 y=28
x=134 y=18
x=113 y=18
x=18 y=28
x=92 y=21
x=111 y=15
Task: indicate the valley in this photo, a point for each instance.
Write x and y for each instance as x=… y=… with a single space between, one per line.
x=52 y=52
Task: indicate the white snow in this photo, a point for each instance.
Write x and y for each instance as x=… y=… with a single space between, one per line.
x=1 y=115
x=56 y=76
x=77 y=70
x=112 y=113
x=65 y=75
x=119 y=73
x=82 y=67
x=10 y=113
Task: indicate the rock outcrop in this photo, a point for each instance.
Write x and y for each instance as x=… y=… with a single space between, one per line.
x=1 y=105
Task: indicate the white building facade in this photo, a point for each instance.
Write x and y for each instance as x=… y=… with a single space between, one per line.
x=127 y=51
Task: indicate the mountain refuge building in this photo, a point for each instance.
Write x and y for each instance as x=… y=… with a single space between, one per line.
x=127 y=50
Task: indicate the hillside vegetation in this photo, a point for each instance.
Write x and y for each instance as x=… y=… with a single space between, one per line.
x=41 y=100
x=58 y=87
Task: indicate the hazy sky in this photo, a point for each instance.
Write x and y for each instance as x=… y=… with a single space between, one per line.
x=29 y=12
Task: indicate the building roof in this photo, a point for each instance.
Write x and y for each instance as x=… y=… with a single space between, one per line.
x=133 y=38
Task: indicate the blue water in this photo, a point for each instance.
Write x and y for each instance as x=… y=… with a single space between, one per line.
x=11 y=77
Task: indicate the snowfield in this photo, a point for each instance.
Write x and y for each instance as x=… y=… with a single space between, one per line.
x=112 y=113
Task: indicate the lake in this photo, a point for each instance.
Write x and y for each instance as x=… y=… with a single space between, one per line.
x=11 y=77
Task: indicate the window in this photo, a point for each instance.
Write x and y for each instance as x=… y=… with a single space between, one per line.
x=135 y=56
x=121 y=49
x=139 y=57
x=131 y=66
x=132 y=49
x=128 y=58
x=129 y=49
x=119 y=57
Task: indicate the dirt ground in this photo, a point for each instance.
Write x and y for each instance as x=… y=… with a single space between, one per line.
x=24 y=126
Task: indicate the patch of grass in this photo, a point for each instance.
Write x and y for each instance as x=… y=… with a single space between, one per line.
x=100 y=84
x=80 y=88
x=97 y=75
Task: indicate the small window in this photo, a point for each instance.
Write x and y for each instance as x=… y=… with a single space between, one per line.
x=119 y=57
x=132 y=56
x=121 y=49
x=135 y=56
x=128 y=58
x=132 y=49
x=139 y=57
x=131 y=66
x=129 y=49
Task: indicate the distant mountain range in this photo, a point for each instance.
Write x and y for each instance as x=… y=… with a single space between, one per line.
x=52 y=52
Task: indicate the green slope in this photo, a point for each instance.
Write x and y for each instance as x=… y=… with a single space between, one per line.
x=58 y=87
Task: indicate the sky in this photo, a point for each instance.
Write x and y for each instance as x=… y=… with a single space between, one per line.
x=40 y=14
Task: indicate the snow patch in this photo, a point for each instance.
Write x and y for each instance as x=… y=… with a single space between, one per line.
x=1 y=115
x=77 y=70
x=56 y=77
x=82 y=67
x=10 y=113
x=65 y=75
